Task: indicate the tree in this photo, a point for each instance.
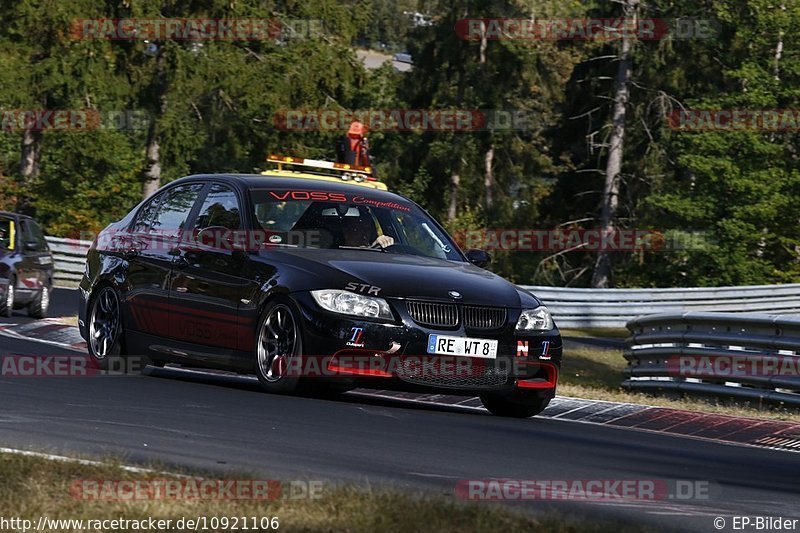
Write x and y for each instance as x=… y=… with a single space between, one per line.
x=601 y=277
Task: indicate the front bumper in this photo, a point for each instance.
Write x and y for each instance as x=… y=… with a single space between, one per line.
x=393 y=355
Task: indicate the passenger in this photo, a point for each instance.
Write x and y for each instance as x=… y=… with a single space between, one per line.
x=353 y=148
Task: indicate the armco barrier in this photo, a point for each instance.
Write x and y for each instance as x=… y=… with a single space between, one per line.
x=613 y=308
x=69 y=256
x=572 y=308
x=752 y=357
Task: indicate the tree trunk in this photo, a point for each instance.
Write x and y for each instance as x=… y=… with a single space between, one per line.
x=488 y=177
x=776 y=69
x=29 y=167
x=601 y=277
x=455 y=172
x=452 y=210
x=152 y=175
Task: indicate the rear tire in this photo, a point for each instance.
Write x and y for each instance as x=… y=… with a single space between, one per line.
x=39 y=306
x=7 y=302
x=514 y=406
x=279 y=346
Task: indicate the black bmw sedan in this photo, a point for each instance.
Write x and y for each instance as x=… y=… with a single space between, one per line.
x=315 y=283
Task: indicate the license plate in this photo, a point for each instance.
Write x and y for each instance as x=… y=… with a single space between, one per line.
x=462 y=346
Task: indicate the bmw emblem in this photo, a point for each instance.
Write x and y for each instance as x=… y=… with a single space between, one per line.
x=455 y=295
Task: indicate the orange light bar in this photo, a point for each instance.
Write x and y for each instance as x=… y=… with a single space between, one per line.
x=316 y=163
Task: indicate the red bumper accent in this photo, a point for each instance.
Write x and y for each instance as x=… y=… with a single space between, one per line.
x=335 y=366
x=539 y=383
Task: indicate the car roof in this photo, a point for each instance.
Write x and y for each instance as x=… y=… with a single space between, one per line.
x=9 y=214
x=286 y=180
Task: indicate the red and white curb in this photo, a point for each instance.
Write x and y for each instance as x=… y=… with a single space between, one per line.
x=50 y=331
x=772 y=434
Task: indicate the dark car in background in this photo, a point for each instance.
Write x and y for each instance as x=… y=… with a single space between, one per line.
x=313 y=282
x=26 y=266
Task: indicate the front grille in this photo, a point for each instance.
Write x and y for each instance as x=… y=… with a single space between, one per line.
x=446 y=315
x=433 y=314
x=484 y=317
x=431 y=373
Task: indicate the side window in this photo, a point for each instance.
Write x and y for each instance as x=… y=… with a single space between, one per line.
x=173 y=210
x=420 y=236
x=25 y=235
x=144 y=219
x=35 y=234
x=220 y=208
x=6 y=234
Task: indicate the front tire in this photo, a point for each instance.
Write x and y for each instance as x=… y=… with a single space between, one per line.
x=106 y=337
x=39 y=306
x=514 y=406
x=279 y=345
x=7 y=302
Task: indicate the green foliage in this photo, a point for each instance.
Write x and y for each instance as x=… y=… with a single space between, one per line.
x=723 y=201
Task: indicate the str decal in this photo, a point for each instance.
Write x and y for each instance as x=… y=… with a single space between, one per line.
x=362 y=288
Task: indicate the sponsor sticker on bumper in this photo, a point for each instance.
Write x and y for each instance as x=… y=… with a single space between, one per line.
x=462 y=346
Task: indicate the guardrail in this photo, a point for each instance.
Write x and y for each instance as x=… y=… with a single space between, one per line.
x=753 y=357
x=69 y=255
x=572 y=308
x=613 y=308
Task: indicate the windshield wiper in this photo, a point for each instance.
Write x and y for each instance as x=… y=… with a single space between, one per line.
x=378 y=249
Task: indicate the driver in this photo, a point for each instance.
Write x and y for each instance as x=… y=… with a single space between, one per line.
x=356 y=232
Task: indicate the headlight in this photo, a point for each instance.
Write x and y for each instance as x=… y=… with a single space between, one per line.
x=538 y=319
x=350 y=303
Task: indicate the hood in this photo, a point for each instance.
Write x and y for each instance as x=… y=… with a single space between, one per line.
x=400 y=276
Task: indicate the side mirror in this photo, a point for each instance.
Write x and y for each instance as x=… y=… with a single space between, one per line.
x=480 y=258
x=31 y=246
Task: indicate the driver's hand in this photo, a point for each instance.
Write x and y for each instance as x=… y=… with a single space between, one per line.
x=383 y=241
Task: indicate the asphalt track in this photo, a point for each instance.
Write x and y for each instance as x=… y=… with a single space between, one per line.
x=223 y=423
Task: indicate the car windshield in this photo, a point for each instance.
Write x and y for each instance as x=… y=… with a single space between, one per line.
x=320 y=219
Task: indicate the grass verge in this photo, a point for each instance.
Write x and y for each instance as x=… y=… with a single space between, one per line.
x=599 y=333
x=34 y=487
x=596 y=374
